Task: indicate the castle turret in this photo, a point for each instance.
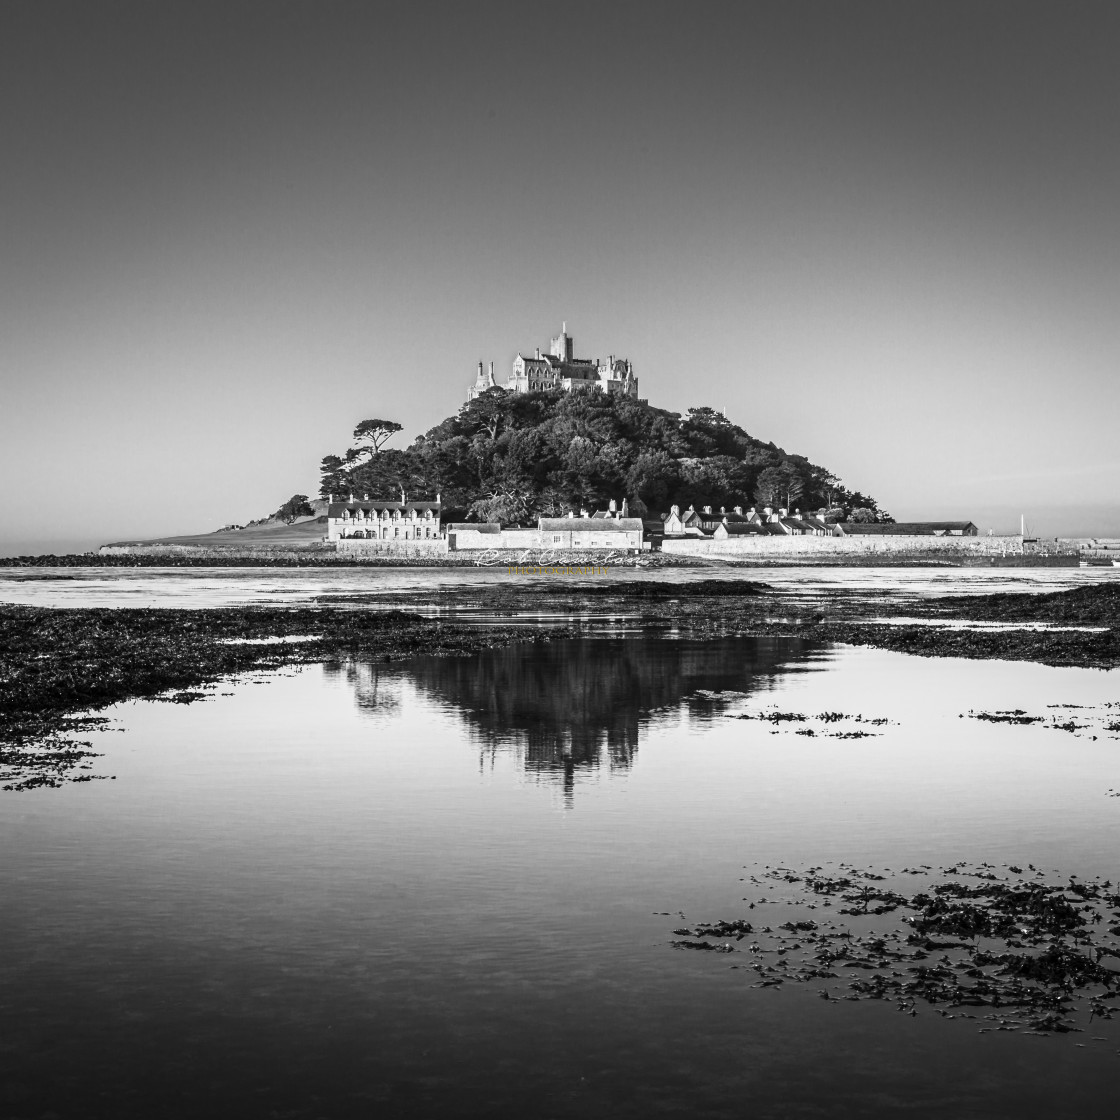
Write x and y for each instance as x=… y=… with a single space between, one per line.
x=563 y=347
x=482 y=382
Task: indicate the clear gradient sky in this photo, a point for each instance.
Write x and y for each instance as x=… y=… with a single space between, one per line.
x=885 y=235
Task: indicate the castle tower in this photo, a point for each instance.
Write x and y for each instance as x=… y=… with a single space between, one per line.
x=563 y=346
x=482 y=382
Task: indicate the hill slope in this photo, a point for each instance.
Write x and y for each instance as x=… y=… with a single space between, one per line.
x=515 y=456
x=302 y=534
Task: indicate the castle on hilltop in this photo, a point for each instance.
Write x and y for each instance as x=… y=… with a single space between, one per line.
x=560 y=369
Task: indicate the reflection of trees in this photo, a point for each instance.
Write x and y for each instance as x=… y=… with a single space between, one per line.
x=578 y=704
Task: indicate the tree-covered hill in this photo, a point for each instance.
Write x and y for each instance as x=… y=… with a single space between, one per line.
x=511 y=457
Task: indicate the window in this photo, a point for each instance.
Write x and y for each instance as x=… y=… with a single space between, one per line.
x=557 y=538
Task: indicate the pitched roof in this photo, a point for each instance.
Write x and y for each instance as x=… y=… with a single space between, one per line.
x=589 y=525
x=907 y=528
x=375 y=504
x=743 y=529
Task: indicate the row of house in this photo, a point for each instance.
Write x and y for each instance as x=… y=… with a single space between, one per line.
x=768 y=521
x=376 y=519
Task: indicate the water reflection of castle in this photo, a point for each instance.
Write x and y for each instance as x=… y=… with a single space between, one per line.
x=579 y=705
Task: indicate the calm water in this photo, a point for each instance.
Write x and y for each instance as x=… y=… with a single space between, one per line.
x=218 y=587
x=448 y=888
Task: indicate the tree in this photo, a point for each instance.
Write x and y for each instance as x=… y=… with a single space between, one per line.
x=779 y=486
x=505 y=508
x=862 y=516
x=514 y=456
x=334 y=477
x=386 y=474
x=295 y=507
x=371 y=435
x=792 y=484
x=488 y=412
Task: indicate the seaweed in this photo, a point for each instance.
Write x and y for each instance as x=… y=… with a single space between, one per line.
x=60 y=664
x=1036 y=955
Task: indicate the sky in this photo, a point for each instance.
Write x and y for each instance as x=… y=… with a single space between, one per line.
x=884 y=235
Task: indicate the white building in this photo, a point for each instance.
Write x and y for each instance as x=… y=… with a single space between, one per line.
x=373 y=519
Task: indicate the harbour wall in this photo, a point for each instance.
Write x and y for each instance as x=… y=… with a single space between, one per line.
x=809 y=548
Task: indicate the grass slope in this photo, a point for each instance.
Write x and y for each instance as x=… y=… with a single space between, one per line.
x=277 y=534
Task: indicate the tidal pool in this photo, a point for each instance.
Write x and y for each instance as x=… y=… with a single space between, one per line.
x=449 y=888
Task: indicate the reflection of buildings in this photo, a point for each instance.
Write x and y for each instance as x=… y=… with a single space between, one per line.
x=375 y=687
x=578 y=705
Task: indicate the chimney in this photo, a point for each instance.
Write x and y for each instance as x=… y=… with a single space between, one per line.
x=571 y=513
x=613 y=506
x=722 y=510
x=675 y=511
x=796 y=514
x=782 y=512
x=767 y=511
x=707 y=509
x=351 y=495
x=738 y=510
x=538 y=353
x=625 y=507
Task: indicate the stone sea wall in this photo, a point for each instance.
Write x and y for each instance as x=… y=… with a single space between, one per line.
x=358 y=549
x=813 y=548
x=316 y=548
